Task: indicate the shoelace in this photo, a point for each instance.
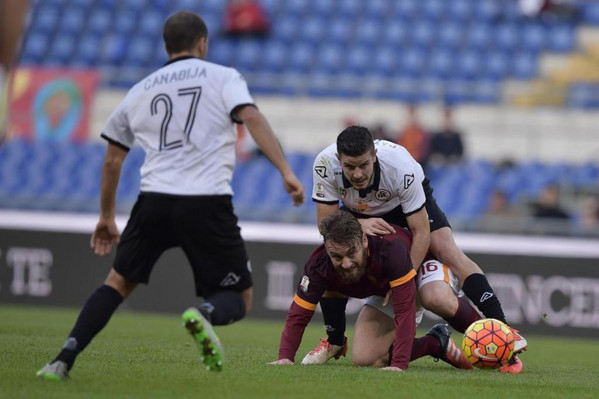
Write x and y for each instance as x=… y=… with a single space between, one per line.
x=324 y=344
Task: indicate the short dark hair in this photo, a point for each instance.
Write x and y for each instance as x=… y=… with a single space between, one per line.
x=355 y=141
x=340 y=227
x=182 y=30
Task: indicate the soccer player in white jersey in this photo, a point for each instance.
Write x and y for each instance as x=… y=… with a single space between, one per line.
x=183 y=117
x=380 y=183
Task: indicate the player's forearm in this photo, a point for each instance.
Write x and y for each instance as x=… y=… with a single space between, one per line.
x=295 y=324
x=266 y=140
x=404 y=308
x=111 y=172
x=421 y=241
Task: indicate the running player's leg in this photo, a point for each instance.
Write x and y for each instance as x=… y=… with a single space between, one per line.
x=141 y=244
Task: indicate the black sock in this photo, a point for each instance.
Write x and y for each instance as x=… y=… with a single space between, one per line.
x=333 y=311
x=477 y=288
x=93 y=317
x=224 y=307
x=463 y=317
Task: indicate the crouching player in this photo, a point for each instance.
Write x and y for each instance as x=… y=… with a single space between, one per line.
x=359 y=265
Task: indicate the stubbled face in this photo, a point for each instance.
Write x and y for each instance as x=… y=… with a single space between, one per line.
x=358 y=170
x=350 y=260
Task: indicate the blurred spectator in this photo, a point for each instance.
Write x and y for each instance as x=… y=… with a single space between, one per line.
x=245 y=17
x=379 y=132
x=414 y=138
x=547 y=206
x=588 y=223
x=548 y=215
x=556 y=9
x=446 y=144
x=499 y=205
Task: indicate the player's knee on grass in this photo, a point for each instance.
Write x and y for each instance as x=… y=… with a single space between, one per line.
x=439 y=298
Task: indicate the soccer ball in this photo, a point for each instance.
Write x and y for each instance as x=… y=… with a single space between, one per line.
x=488 y=343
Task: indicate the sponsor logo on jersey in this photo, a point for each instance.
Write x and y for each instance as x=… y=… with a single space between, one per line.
x=230 y=279
x=382 y=195
x=407 y=180
x=320 y=195
x=486 y=296
x=321 y=171
x=305 y=283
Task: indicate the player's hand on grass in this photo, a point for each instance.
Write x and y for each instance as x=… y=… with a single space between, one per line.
x=391 y=368
x=281 y=362
x=106 y=234
x=376 y=226
x=294 y=187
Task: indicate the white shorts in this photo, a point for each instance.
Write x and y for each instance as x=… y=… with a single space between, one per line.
x=431 y=270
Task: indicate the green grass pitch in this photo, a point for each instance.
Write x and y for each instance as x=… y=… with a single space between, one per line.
x=151 y=356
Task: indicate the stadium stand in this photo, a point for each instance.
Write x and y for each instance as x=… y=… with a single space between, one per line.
x=411 y=50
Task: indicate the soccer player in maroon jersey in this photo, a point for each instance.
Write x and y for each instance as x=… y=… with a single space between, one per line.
x=360 y=265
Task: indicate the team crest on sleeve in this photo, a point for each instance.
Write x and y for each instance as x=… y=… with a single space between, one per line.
x=305 y=283
x=407 y=180
x=342 y=193
x=321 y=171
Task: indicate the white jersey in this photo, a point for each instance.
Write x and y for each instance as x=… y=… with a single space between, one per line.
x=181 y=115
x=397 y=180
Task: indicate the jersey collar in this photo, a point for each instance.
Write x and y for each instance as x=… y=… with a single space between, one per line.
x=374 y=186
x=183 y=57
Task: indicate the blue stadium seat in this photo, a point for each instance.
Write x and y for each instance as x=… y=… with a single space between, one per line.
x=486 y=91
x=459 y=11
x=406 y=9
x=35 y=49
x=486 y=10
x=590 y=12
x=368 y=32
x=114 y=50
x=376 y=9
x=583 y=95
x=533 y=37
x=250 y=54
x=435 y=9
x=450 y=35
x=340 y=30
x=314 y=29
x=46 y=19
x=301 y=58
x=479 y=36
x=274 y=56
x=286 y=29
x=140 y=52
x=359 y=60
x=507 y=36
x=152 y=21
x=100 y=21
x=125 y=22
x=562 y=38
x=469 y=64
x=63 y=48
x=297 y=7
x=349 y=8
x=73 y=20
x=222 y=52
x=441 y=63
x=386 y=62
x=497 y=64
x=330 y=59
x=397 y=34
x=424 y=34
x=524 y=65
x=412 y=61
x=87 y=50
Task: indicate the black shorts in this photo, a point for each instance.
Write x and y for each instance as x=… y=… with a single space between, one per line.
x=205 y=227
x=436 y=217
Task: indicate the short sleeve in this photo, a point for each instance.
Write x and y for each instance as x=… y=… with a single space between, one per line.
x=323 y=177
x=236 y=92
x=117 y=129
x=410 y=191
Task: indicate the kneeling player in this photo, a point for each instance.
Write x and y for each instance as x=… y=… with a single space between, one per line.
x=358 y=265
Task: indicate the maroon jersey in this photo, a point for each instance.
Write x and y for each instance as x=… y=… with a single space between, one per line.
x=389 y=266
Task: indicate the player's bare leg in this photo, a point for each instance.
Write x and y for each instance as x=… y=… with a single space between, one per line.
x=439 y=298
x=374 y=333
